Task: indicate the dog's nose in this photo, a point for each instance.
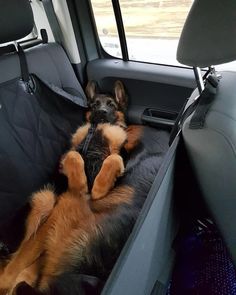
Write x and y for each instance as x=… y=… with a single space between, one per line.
x=103 y=111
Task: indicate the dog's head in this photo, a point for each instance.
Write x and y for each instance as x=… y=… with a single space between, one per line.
x=106 y=108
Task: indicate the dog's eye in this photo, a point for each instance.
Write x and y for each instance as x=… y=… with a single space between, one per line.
x=97 y=102
x=109 y=102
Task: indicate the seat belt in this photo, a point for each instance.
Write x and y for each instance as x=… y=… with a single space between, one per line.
x=204 y=102
x=53 y=21
x=25 y=76
x=200 y=105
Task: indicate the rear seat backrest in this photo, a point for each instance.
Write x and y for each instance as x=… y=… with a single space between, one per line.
x=212 y=147
x=33 y=132
x=48 y=61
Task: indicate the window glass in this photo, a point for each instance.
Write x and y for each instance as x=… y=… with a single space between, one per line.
x=153 y=28
x=230 y=66
x=106 y=26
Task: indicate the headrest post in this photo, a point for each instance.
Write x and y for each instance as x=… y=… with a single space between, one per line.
x=199 y=80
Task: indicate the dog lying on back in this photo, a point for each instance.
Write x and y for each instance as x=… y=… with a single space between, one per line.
x=100 y=140
x=59 y=229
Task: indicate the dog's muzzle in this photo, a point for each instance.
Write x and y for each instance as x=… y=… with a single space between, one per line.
x=103 y=116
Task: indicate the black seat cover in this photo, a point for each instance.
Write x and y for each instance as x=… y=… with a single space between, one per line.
x=35 y=128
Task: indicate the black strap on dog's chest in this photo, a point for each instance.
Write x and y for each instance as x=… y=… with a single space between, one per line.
x=88 y=138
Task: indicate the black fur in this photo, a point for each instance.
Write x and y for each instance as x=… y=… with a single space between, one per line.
x=97 y=151
x=103 y=109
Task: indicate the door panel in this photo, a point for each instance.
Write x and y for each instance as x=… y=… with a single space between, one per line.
x=156 y=92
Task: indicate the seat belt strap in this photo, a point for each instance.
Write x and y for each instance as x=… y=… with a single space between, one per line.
x=183 y=115
x=204 y=102
x=23 y=64
x=26 y=78
x=53 y=21
x=200 y=106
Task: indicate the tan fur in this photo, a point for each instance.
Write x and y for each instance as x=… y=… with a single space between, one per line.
x=119 y=195
x=121 y=119
x=64 y=236
x=115 y=135
x=120 y=94
x=112 y=168
x=73 y=168
x=133 y=134
x=42 y=204
x=80 y=135
x=28 y=275
x=70 y=226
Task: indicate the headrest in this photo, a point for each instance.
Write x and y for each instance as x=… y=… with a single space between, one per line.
x=209 y=34
x=16 y=20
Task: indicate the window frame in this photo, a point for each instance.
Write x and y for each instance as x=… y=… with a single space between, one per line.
x=122 y=38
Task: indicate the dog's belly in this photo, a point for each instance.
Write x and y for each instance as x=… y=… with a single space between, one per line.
x=96 y=153
x=107 y=139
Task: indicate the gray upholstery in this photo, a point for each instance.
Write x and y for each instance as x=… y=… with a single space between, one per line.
x=16 y=19
x=212 y=152
x=49 y=62
x=209 y=34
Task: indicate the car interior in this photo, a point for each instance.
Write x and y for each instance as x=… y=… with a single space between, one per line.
x=183 y=241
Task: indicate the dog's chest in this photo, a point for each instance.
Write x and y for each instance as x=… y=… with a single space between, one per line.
x=95 y=153
x=97 y=145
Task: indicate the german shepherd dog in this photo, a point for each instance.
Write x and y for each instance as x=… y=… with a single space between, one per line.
x=79 y=232
x=101 y=140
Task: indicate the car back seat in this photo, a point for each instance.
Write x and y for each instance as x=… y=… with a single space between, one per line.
x=47 y=61
x=50 y=63
x=150 y=258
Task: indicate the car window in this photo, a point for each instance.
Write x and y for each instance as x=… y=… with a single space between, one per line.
x=152 y=28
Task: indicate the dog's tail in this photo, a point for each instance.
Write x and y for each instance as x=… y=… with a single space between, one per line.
x=42 y=204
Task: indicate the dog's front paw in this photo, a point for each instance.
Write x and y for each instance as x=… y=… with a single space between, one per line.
x=70 y=162
x=119 y=164
x=112 y=168
x=73 y=168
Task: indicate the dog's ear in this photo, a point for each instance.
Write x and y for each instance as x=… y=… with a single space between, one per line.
x=90 y=90
x=120 y=94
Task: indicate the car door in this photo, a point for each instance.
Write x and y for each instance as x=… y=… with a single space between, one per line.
x=136 y=43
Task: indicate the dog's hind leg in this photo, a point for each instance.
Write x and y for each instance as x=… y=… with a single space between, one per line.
x=112 y=168
x=30 y=276
x=42 y=204
x=28 y=252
